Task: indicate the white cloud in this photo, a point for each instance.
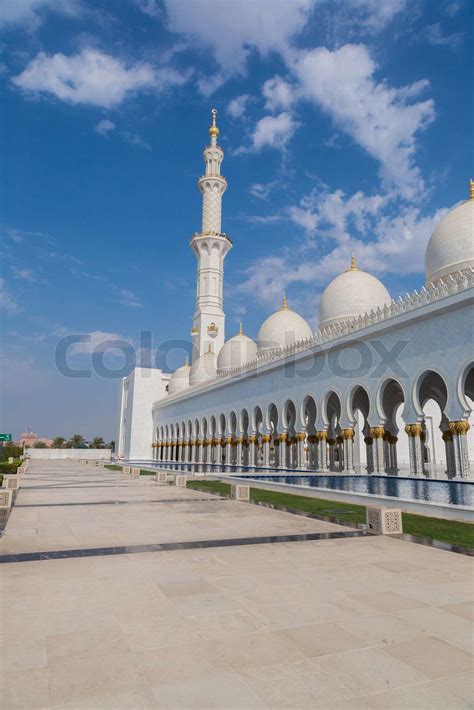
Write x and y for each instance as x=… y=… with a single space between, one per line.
x=236 y=108
x=104 y=127
x=374 y=15
x=98 y=341
x=379 y=118
x=25 y=274
x=6 y=301
x=232 y=29
x=90 y=77
x=272 y=132
x=396 y=245
x=29 y=12
x=135 y=139
x=434 y=35
x=278 y=94
x=262 y=190
x=127 y=297
x=150 y=7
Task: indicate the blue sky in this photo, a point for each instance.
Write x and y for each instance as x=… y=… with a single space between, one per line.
x=347 y=126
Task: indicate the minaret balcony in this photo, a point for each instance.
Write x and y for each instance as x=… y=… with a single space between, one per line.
x=200 y=235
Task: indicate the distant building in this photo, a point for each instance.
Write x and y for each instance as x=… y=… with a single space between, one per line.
x=28 y=439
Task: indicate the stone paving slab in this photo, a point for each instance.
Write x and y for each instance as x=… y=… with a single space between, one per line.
x=368 y=622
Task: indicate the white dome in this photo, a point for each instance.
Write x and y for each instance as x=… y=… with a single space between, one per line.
x=451 y=247
x=236 y=351
x=179 y=380
x=282 y=328
x=203 y=369
x=352 y=293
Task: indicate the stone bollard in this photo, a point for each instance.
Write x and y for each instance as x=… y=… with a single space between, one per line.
x=10 y=459
x=6 y=498
x=126 y=470
x=100 y=464
x=239 y=491
x=162 y=477
x=384 y=521
x=135 y=472
x=21 y=470
x=180 y=480
x=12 y=483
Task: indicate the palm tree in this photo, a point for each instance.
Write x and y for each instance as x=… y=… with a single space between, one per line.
x=77 y=441
x=39 y=445
x=97 y=443
x=111 y=445
x=58 y=442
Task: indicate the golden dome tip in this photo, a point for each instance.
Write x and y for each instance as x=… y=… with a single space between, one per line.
x=353 y=263
x=213 y=130
x=471 y=189
x=241 y=329
x=284 y=305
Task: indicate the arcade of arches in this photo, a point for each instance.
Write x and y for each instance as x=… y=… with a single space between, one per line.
x=336 y=436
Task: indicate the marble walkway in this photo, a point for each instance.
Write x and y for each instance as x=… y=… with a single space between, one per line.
x=359 y=622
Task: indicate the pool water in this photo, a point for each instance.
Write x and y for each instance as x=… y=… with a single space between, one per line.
x=445 y=492
x=430 y=490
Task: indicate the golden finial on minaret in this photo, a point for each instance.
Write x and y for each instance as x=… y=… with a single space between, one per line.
x=471 y=189
x=241 y=329
x=214 y=131
x=353 y=263
x=284 y=305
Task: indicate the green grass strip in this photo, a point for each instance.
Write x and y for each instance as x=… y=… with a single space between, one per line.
x=452 y=531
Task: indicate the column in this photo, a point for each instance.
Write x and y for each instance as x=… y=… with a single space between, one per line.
x=282 y=438
x=377 y=433
x=300 y=449
x=459 y=430
x=369 y=443
x=218 y=451
x=348 y=453
x=252 y=441
x=448 y=443
x=228 y=450
x=414 y=432
x=192 y=451
x=199 y=449
x=323 y=450
x=238 y=450
x=266 y=450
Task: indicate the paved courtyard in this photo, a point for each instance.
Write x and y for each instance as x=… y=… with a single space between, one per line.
x=359 y=622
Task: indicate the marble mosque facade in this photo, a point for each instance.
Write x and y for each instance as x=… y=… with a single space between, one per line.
x=383 y=387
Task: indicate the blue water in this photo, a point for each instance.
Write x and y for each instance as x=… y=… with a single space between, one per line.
x=446 y=492
x=416 y=489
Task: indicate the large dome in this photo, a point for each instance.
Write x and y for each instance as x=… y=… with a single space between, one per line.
x=236 y=351
x=451 y=247
x=179 y=380
x=282 y=328
x=352 y=293
x=203 y=368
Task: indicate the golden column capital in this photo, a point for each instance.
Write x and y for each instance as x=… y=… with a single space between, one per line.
x=300 y=436
x=252 y=439
x=414 y=430
x=377 y=432
x=347 y=433
x=266 y=438
x=459 y=427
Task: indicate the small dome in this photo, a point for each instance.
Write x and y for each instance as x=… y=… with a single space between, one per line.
x=179 y=380
x=203 y=368
x=282 y=328
x=236 y=351
x=351 y=294
x=451 y=247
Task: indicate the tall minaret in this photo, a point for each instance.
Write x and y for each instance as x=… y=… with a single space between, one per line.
x=210 y=246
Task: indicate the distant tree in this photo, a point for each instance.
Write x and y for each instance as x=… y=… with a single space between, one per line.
x=58 y=442
x=97 y=443
x=39 y=445
x=77 y=441
x=111 y=445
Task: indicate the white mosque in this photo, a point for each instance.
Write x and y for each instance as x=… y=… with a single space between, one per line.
x=383 y=387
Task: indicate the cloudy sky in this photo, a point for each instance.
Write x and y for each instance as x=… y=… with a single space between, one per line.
x=346 y=125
